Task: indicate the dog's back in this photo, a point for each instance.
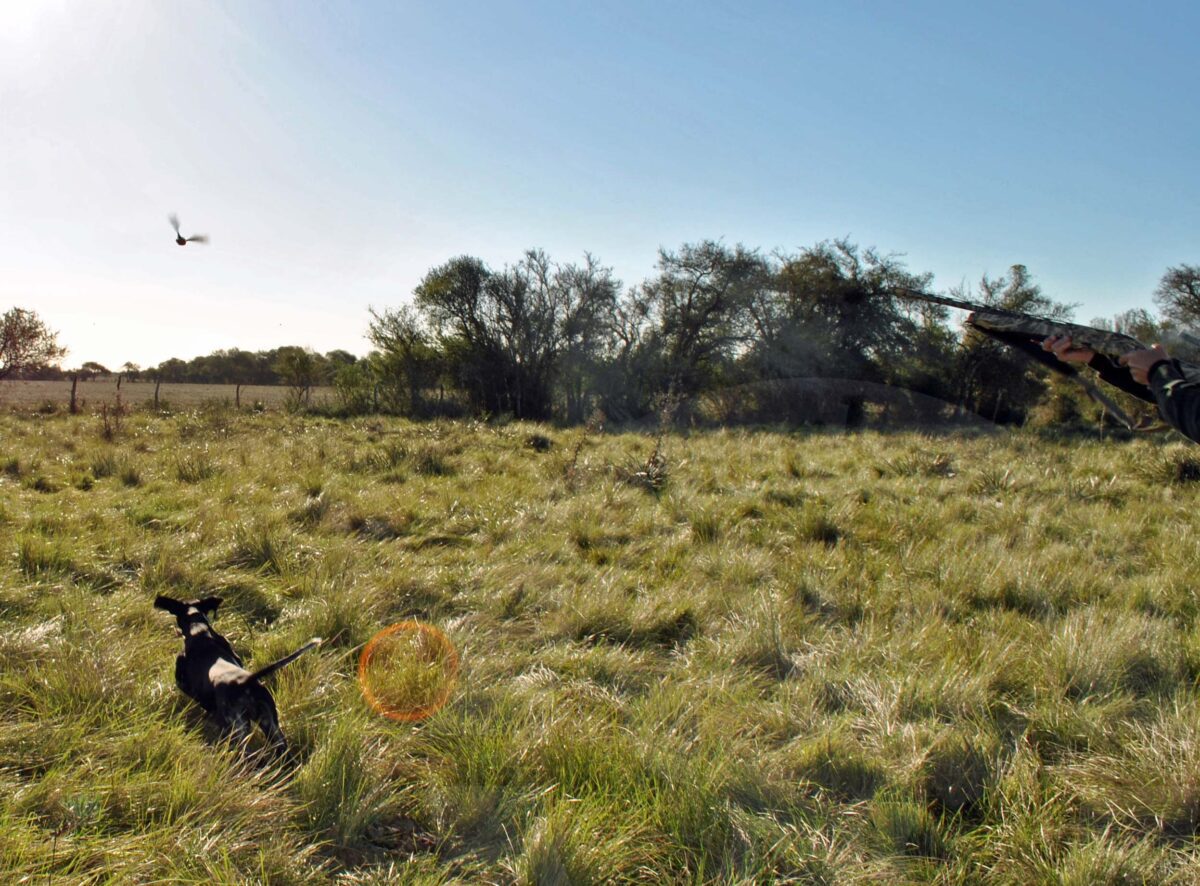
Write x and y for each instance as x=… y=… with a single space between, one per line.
x=210 y=672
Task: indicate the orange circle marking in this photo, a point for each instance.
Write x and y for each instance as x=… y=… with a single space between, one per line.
x=418 y=666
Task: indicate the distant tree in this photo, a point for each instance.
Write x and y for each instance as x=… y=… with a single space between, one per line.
x=1149 y=329
x=625 y=378
x=130 y=370
x=699 y=300
x=26 y=342
x=406 y=362
x=589 y=296
x=354 y=385
x=336 y=360
x=298 y=369
x=927 y=359
x=250 y=368
x=1178 y=294
x=172 y=370
x=503 y=333
x=830 y=311
x=92 y=368
x=1140 y=324
x=235 y=366
x=1136 y=322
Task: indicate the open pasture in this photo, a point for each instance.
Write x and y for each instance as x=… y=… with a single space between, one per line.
x=763 y=657
x=90 y=394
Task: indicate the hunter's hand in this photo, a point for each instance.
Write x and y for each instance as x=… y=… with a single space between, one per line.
x=1060 y=345
x=1141 y=362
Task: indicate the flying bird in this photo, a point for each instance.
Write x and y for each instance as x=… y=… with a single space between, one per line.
x=182 y=240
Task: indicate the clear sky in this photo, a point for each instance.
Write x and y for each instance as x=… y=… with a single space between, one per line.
x=335 y=152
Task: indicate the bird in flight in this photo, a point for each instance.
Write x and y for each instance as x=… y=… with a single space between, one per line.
x=179 y=238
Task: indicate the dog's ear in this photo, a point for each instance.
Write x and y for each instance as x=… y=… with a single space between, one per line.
x=208 y=605
x=175 y=607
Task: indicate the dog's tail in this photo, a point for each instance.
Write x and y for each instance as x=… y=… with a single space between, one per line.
x=286 y=660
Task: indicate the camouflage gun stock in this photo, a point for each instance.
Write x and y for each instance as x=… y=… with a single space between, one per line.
x=1026 y=333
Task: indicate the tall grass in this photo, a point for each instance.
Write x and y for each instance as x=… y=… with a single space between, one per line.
x=816 y=658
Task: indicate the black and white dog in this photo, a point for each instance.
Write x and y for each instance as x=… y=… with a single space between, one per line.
x=210 y=673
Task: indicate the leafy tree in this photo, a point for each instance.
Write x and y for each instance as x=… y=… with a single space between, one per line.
x=1178 y=294
x=926 y=363
x=354 y=385
x=589 y=300
x=251 y=367
x=172 y=370
x=503 y=333
x=26 y=343
x=452 y=298
x=336 y=360
x=699 y=301
x=624 y=376
x=1140 y=324
x=299 y=370
x=235 y=366
x=1149 y=329
x=830 y=312
x=406 y=362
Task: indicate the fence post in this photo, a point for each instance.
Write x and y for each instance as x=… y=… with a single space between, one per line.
x=74 y=382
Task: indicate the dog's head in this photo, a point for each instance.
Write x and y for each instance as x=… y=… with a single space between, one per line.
x=192 y=615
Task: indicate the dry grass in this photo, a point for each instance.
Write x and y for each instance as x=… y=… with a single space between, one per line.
x=92 y=394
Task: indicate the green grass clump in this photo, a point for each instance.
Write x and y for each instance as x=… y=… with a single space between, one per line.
x=1173 y=465
x=258 y=546
x=105 y=464
x=834 y=764
x=37 y=557
x=909 y=828
x=194 y=468
x=431 y=463
x=802 y=658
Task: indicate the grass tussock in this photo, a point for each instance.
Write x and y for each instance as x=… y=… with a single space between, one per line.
x=665 y=629
x=259 y=546
x=37 y=557
x=1173 y=465
x=801 y=658
x=195 y=467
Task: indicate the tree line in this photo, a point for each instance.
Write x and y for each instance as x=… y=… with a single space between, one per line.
x=286 y=365
x=725 y=326
x=538 y=339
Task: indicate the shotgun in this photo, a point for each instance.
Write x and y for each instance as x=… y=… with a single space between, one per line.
x=1026 y=332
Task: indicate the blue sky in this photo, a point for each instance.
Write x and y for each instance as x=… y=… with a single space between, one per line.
x=336 y=152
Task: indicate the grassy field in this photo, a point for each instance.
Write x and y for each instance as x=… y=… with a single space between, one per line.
x=26 y=395
x=763 y=657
